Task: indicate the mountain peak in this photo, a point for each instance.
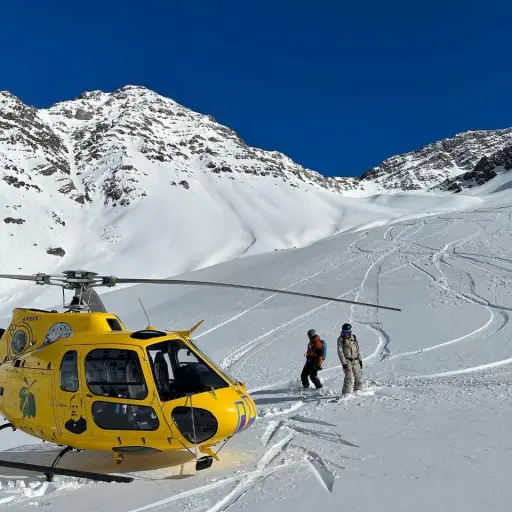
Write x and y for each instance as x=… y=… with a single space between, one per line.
x=135 y=88
x=9 y=100
x=8 y=95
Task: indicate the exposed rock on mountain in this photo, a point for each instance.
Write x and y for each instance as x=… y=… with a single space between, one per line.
x=438 y=162
x=483 y=171
x=114 y=136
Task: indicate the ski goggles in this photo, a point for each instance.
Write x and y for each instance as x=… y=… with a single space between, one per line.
x=346 y=332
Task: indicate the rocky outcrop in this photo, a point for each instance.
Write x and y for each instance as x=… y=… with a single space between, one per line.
x=483 y=171
x=438 y=162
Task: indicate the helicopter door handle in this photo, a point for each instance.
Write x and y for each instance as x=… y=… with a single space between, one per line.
x=88 y=396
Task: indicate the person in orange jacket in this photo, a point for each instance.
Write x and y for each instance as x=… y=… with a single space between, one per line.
x=314 y=360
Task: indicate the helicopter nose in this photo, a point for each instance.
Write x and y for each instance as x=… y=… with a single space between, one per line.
x=215 y=419
x=244 y=412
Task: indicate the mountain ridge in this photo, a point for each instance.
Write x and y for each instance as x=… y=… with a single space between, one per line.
x=428 y=167
x=108 y=175
x=434 y=163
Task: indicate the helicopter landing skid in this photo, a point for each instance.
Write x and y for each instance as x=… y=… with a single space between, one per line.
x=50 y=471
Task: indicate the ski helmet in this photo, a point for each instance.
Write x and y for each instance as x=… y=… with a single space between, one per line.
x=311 y=333
x=346 y=328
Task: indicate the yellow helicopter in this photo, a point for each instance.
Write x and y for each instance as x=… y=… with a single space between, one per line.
x=81 y=380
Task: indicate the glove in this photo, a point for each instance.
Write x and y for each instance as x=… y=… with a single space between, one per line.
x=361 y=363
x=345 y=366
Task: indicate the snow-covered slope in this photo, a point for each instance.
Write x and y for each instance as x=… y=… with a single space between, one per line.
x=431 y=429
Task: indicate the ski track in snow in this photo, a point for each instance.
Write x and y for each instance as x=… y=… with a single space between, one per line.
x=256 y=477
x=320 y=469
x=491 y=327
x=473 y=261
x=462 y=371
x=307 y=278
x=471 y=334
x=239 y=353
x=382 y=348
x=236 y=355
x=243 y=482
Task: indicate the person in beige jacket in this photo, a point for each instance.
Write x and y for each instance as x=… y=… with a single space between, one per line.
x=351 y=361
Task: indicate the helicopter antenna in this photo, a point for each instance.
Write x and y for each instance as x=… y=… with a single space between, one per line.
x=143 y=309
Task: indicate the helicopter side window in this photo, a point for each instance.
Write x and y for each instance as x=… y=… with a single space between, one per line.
x=119 y=416
x=69 y=372
x=115 y=373
x=179 y=371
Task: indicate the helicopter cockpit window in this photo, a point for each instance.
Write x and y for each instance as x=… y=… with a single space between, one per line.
x=115 y=373
x=178 y=371
x=69 y=372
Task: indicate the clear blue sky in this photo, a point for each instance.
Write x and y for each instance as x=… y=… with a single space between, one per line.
x=338 y=86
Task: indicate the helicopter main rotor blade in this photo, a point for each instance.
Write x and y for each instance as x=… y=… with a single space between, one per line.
x=21 y=277
x=95 y=280
x=120 y=280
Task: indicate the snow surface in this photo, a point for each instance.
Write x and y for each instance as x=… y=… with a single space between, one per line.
x=429 y=432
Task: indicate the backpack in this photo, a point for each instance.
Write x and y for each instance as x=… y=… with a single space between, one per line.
x=324 y=349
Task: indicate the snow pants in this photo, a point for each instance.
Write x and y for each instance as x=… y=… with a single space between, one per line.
x=353 y=377
x=310 y=371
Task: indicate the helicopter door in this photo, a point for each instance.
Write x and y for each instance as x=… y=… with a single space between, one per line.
x=72 y=417
x=120 y=403
x=184 y=380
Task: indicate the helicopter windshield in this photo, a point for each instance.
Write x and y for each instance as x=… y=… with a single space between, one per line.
x=178 y=371
x=209 y=360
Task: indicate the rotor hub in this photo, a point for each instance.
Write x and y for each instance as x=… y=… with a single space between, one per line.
x=73 y=279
